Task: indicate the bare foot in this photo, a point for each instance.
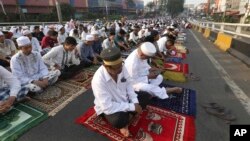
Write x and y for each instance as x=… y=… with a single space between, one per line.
x=175 y=90
x=124 y=131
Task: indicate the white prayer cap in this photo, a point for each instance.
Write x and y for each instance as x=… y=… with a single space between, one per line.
x=148 y=49
x=94 y=32
x=172 y=27
x=177 y=30
x=23 y=41
x=25 y=27
x=1 y=33
x=165 y=32
x=26 y=32
x=168 y=27
x=4 y=28
x=59 y=27
x=89 y=38
x=144 y=27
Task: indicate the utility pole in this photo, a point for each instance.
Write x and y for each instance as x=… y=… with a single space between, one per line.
x=59 y=13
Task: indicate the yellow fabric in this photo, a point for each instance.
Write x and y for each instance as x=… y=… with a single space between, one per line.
x=206 y=33
x=181 y=48
x=223 y=41
x=174 y=76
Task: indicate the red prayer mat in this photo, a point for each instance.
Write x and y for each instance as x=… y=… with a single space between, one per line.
x=176 y=67
x=154 y=124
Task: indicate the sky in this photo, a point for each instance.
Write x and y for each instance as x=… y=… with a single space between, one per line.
x=187 y=1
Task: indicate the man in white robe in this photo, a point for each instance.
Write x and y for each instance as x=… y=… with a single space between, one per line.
x=115 y=98
x=144 y=77
x=29 y=67
x=64 y=58
x=34 y=42
x=10 y=90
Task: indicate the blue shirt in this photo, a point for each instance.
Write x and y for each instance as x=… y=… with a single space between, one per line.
x=86 y=52
x=97 y=47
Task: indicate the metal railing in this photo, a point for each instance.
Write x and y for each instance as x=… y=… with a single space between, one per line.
x=235 y=29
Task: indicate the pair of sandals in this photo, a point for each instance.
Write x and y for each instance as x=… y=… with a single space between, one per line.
x=219 y=111
x=193 y=77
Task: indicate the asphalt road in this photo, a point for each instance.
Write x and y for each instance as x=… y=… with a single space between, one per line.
x=211 y=88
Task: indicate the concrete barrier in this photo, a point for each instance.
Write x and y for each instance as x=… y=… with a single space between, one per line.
x=206 y=33
x=200 y=29
x=223 y=41
x=241 y=50
x=213 y=36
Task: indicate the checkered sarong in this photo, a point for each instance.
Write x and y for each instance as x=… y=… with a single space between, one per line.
x=5 y=93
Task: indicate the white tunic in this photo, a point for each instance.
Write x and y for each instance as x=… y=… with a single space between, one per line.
x=112 y=97
x=57 y=55
x=7 y=79
x=61 y=38
x=162 y=44
x=138 y=70
x=107 y=43
x=133 y=37
x=28 y=68
x=6 y=47
x=35 y=45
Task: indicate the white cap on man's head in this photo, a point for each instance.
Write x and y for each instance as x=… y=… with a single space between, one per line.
x=90 y=38
x=1 y=33
x=94 y=32
x=23 y=41
x=26 y=32
x=148 y=49
x=59 y=27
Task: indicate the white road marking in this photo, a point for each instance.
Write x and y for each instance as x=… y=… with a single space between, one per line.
x=238 y=92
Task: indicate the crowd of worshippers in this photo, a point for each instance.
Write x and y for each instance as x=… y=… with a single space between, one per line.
x=33 y=58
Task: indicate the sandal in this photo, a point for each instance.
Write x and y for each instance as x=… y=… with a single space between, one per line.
x=212 y=105
x=191 y=76
x=221 y=113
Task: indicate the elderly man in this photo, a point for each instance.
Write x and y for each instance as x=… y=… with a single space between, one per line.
x=115 y=98
x=87 y=55
x=34 y=42
x=10 y=90
x=145 y=78
x=7 y=50
x=64 y=58
x=29 y=67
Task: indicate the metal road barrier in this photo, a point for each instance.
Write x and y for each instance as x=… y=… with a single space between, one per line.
x=235 y=29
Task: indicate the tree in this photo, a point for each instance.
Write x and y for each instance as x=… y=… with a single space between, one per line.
x=175 y=7
x=150 y=6
x=67 y=11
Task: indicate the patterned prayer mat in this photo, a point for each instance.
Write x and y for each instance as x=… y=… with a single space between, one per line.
x=182 y=103
x=20 y=119
x=153 y=124
x=175 y=76
x=56 y=97
x=83 y=78
x=177 y=67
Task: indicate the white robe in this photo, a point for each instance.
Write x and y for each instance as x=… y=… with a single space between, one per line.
x=138 y=70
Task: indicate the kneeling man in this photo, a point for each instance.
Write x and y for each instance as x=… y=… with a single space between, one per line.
x=115 y=98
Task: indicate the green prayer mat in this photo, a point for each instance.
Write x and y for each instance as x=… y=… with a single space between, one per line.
x=20 y=119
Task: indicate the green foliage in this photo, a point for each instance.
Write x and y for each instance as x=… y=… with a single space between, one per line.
x=151 y=5
x=175 y=7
